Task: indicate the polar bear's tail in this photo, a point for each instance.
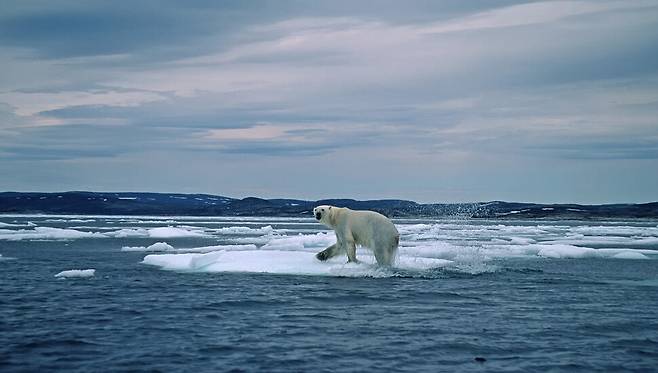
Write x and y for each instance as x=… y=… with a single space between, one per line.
x=394 y=250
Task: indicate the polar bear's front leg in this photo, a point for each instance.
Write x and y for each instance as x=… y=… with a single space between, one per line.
x=329 y=252
x=351 y=251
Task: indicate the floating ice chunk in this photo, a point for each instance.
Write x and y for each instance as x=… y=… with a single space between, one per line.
x=605 y=241
x=258 y=240
x=614 y=230
x=46 y=233
x=244 y=261
x=452 y=231
x=565 y=251
x=207 y=249
x=412 y=228
x=134 y=248
x=244 y=230
x=521 y=240
x=168 y=221
x=158 y=246
x=438 y=250
x=301 y=242
x=283 y=262
x=69 y=220
x=160 y=232
x=165 y=247
x=169 y=232
x=128 y=232
x=7 y=225
x=627 y=254
x=647 y=241
x=76 y=273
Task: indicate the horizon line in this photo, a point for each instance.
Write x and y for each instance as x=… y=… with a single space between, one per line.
x=340 y=198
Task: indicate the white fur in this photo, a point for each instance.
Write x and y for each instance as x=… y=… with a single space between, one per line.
x=365 y=228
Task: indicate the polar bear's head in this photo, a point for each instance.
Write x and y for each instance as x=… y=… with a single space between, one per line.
x=323 y=214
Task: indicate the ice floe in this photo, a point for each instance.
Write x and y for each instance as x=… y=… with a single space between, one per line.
x=158 y=246
x=52 y=233
x=165 y=247
x=72 y=273
x=46 y=233
x=629 y=255
x=240 y=230
x=301 y=242
x=283 y=262
x=289 y=245
x=159 y=232
x=23 y=225
x=564 y=251
x=69 y=220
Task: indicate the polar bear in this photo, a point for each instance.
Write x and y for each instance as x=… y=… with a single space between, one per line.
x=366 y=228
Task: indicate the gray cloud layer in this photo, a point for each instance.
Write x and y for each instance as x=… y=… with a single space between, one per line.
x=433 y=101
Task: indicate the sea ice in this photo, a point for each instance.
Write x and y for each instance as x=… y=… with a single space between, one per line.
x=437 y=250
x=159 y=232
x=158 y=246
x=165 y=247
x=243 y=230
x=207 y=249
x=28 y=224
x=629 y=255
x=615 y=230
x=76 y=273
x=69 y=220
x=301 y=242
x=46 y=233
x=565 y=251
x=283 y=262
x=168 y=232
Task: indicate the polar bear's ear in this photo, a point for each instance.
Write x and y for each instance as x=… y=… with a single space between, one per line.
x=329 y=207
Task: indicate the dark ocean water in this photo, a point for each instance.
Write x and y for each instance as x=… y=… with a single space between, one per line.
x=495 y=296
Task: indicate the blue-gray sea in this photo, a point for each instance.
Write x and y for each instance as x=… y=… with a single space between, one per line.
x=196 y=294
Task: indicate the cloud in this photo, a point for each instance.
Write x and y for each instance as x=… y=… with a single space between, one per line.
x=72 y=30
x=436 y=88
x=531 y=14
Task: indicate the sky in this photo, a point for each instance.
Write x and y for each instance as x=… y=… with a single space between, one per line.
x=432 y=101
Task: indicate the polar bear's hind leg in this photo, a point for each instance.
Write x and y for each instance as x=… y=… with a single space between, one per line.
x=386 y=250
x=351 y=252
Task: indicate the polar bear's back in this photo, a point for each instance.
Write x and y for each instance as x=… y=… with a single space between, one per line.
x=369 y=228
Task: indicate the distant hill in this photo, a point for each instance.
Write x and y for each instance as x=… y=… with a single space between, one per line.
x=127 y=203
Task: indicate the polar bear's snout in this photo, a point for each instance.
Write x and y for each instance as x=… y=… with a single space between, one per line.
x=318 y=215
